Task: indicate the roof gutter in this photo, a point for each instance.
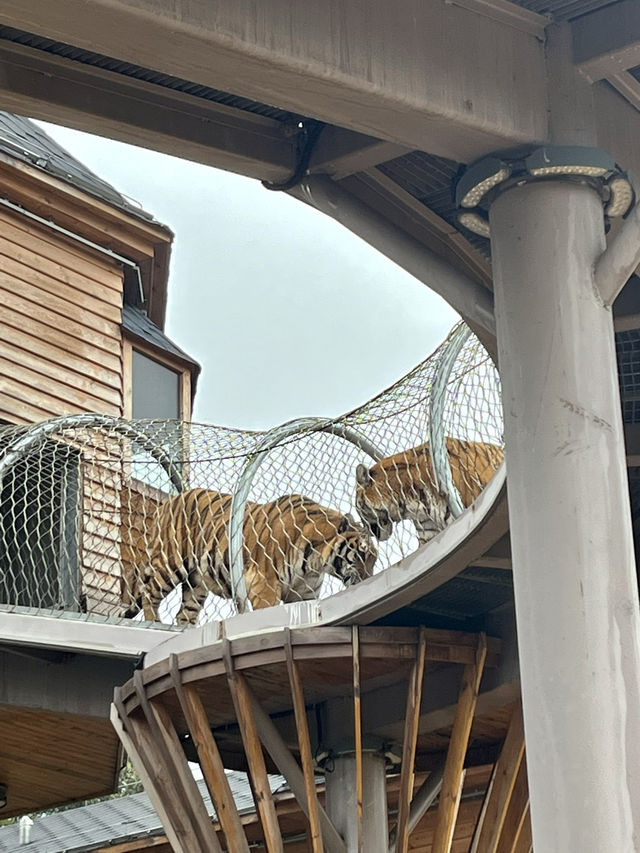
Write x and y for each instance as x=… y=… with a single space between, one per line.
x=114 y=256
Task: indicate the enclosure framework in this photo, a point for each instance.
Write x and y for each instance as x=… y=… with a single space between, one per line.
x=260 y=704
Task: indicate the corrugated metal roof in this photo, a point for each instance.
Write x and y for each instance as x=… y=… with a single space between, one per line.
x=430 y=179
x=564 y=10
x=136 y=321
x=26 y=141
x=118 y=820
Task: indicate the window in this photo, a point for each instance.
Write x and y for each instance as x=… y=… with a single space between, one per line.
x=159 y=389
x=155 y=389
x=157 y=386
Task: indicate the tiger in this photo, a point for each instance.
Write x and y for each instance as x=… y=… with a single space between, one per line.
x=290 y=543
x=403 y=487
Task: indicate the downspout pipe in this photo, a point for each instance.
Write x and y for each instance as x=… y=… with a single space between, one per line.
x=466 y=296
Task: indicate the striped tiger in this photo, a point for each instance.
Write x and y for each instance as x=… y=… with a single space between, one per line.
x=289 y=545
x=402 y=487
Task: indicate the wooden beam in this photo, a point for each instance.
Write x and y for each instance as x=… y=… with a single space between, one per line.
x=357 y=730
x=201 y=834
x=525 y=840
x=340 y=152
x=179 y=823
x=304 y=743
x=58 y=89
x=287 y=765
x=412 y=720
x=606 y=44
x=210 y=761
x=498 y=797
x=517 y=812
x=454 y=767
x=148 y=771
x=253 y=752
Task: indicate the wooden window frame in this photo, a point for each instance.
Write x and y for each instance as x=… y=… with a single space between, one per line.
x=163 y=358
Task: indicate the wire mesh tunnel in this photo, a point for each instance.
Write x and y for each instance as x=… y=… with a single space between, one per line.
x=131 y=520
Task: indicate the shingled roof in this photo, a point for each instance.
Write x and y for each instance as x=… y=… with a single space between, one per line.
x=118 y=820
x=24 y=140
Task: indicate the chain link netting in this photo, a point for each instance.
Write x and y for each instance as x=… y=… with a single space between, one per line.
x=130 y=520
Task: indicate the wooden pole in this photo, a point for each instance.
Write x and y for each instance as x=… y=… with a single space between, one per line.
x=171 y=755
x=412 y=719
x=287 y=765
x=454 y=766
x=357 y=712
x=498 y=797
x=149 y=772
x=517 y=813
x=304 y=743
x=253 y=751
x=210 y=761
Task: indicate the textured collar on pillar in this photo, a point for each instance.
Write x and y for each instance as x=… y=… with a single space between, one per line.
x=483 y=180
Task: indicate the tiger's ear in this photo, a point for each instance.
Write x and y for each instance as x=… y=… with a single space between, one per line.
x=346 y=522
x=363 y=475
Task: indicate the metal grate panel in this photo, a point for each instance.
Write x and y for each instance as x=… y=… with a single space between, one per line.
x=628 y=355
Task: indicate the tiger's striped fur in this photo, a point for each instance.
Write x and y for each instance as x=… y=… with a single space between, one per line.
x=289 y=544
x=403 y=487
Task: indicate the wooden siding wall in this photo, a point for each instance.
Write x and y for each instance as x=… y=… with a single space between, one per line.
x=61 y=353
x=60 y=334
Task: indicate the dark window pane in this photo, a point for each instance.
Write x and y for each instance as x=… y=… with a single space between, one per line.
x=156 y=389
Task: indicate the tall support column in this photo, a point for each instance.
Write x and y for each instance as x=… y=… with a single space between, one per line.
x=341 y=802
x=574 y=576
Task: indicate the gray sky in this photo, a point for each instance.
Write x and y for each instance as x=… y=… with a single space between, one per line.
x=288 y=313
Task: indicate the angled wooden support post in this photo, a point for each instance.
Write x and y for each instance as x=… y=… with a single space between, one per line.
x=304 y=743
x=412 y=719
x=517 y=813
x=524 y=843
x=149 y=772
x=501 y=788
x=253 y=751
x=165 y=793
x=171 y=756
x=357 y=725
x=210 y=761
x=274 y=743
x=454 y=766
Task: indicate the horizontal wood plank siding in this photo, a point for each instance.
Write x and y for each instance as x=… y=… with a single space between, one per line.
x=60 y=333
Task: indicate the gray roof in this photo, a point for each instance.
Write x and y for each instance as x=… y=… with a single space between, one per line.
x=134 y=320
x=112 y=821
x=24 y=140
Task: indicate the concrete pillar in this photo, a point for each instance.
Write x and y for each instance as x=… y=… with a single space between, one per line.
x=341 y=802
x=574 y=574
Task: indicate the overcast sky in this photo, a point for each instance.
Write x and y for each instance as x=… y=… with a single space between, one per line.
x=288 y=313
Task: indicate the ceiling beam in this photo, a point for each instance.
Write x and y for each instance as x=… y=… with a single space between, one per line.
x=444 y=79
x=341 y=152
x=61 y=90
x=607 y=42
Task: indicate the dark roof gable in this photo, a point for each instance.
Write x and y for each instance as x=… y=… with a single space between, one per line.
x=24 y=140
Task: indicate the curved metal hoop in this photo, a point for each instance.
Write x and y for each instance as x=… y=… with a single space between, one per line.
x=37 y=434
x=241 y=492
x=440 y=461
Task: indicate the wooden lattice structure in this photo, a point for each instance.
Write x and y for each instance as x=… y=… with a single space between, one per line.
x=224 y=706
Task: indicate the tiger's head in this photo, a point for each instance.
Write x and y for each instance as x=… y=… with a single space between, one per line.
x=372 y=504
x=350 y=555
